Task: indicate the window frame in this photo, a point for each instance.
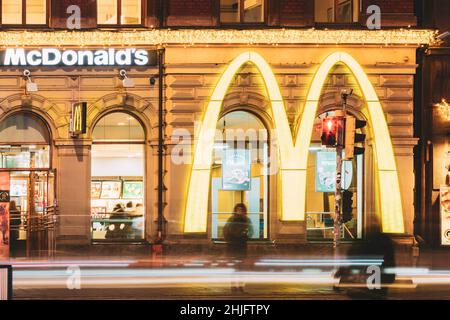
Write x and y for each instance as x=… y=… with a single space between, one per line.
x=119 y=14
x=24 y=16
x=241 y=16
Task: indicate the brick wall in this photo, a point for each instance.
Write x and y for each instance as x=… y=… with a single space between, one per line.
x=191 y=13
x=291 y=12
x=394 y=13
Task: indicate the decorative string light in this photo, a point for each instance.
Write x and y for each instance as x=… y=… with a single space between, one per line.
x=190 y=37
x=444 y=108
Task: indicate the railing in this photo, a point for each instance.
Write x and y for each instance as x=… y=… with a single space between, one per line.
x=41 y=221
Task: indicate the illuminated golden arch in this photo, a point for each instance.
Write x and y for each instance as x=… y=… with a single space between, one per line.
x=293 y=157
x=389 y=206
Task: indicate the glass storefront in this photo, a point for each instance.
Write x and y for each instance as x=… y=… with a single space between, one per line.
x=239 y=173
x=117 y=183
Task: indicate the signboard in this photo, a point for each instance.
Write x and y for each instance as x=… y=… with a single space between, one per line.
x=445 y=215
x=4 y=215
x=79 y=118
x=132 y=189
x=326 y=172
x=236 y=169
x=47 y=57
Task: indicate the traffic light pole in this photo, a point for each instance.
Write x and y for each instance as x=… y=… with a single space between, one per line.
x=339 y=161
x=338 y=197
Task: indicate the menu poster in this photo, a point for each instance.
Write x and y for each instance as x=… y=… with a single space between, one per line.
x=236 y=169
x=111 y=189
x=445 y=215
x=132 y=189
x=4 y=215
x=96 y=189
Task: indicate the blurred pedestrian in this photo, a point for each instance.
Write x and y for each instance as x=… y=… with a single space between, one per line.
x=237 y=231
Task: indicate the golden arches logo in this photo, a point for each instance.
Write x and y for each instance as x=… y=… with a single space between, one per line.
x=294 y=156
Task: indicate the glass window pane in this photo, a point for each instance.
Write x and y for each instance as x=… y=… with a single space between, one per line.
x=253 y=11
x=230 y=11
x=345 y=11
x=23 y=128
x=11 y=12
x=25 y=157
x=131 y=12
x=36 y=12
x=107 y=11
x=119 y=126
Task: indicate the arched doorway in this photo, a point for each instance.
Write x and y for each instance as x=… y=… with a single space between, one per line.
x=25 y=151
x=118 y=179
x=240 y=172
x=321 y=186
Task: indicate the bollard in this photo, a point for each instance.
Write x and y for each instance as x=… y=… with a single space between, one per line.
x=6 y=291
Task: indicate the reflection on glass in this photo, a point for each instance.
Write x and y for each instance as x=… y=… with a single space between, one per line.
x=107 y=11
x=131 y=12
x=36 y=12
x=11 y=12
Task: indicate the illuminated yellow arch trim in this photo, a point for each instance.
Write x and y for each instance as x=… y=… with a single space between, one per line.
x=293 y=157
x=389 y=206
x=198 y=193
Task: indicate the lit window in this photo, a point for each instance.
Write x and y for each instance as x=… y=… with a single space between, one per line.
x=108 y=11
x=35 y=11
x=332 y=11
x=131 y=12
x=242 y=11
x=11 y=12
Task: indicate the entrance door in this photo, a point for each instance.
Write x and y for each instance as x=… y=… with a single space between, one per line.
x=31 y=212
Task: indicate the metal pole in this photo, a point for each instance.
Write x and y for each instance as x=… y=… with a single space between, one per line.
x=339 y=161
x=161 y=125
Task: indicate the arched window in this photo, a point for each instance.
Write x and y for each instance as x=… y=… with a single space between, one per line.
x=25 y=142
x=239 y=173
x=118 y=171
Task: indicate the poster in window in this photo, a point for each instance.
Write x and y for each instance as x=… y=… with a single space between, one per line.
x=132 y=189
x=326 y=172
x=445 y=215
x=96 y=189
x=236 y=170
x=111 y=189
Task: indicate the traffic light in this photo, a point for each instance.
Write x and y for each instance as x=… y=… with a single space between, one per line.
x=347 y=206
x=332 y=131
x=352 y=138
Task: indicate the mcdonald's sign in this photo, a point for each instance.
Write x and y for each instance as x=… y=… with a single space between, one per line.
x=78 y=121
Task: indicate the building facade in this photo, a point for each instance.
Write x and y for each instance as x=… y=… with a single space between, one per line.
x=245 y=86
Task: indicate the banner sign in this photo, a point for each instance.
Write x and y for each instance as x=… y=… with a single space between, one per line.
x=445 y=215
x=48 y=57
x=236 y=170
x=4 y=215
x=326 y=172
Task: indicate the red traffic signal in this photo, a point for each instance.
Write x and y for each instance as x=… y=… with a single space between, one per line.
x=332 y=131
